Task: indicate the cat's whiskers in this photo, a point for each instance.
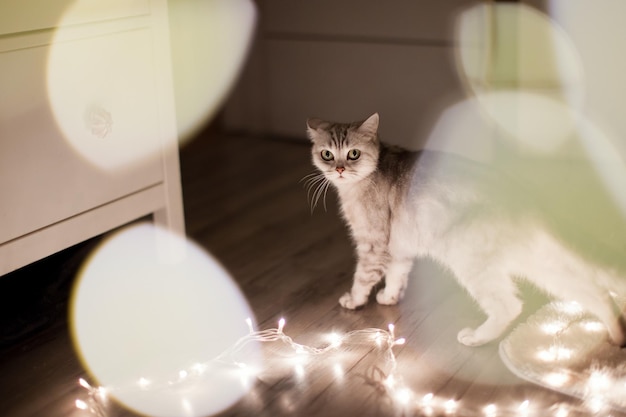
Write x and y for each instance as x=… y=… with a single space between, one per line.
x=320 y=190
x=317 y=185
x=311 y=181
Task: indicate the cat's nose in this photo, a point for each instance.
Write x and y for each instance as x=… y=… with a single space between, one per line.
x=340 y=170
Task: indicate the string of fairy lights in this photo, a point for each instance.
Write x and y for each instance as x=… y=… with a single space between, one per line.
x=408 y=401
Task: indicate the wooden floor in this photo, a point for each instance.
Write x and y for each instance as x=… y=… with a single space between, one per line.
x=245 y=204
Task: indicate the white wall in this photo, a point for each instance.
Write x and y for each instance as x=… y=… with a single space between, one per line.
x=344 y=60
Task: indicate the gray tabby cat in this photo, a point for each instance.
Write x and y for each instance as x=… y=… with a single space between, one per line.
x=400 y=205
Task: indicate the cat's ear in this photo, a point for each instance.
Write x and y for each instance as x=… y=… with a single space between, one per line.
x=312 y=127
x=370 y=125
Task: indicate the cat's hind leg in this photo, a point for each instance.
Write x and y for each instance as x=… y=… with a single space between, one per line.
x=496 y=294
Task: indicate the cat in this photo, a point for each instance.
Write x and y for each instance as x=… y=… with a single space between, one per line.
x=401 y=205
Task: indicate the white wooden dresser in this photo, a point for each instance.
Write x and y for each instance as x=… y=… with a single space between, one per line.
x=88 y=137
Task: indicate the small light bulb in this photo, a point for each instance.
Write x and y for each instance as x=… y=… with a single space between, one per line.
x=400 y=341
x=335 y=339
x=450 y=406
x=595 y=404
x=491 y=410
x=553 y=327
x=593 y=326
x=80 y=404
x=600 y=381
x=403 y=396
x=426 y=399
x=556 y=379
x=102 y=392
x=281 y=325
x=84 y=383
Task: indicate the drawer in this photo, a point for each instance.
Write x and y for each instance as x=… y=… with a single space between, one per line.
x=28 y=15
x=74 y=124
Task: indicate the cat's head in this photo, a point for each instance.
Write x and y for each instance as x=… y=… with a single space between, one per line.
x=345 y=152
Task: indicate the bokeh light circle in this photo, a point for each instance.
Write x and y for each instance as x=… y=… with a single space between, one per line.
x=118 y=89
x=525 y=72
x=150 y=306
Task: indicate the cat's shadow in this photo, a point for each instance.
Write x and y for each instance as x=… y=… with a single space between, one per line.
x=440 y=308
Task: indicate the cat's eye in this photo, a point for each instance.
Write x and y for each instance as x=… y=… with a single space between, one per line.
x=354 y=154
x=327 y=155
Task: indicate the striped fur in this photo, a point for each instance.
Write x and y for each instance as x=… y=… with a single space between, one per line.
x=400 y=205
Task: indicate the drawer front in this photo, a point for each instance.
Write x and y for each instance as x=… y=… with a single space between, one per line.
x=74 y=121
x=28 y=15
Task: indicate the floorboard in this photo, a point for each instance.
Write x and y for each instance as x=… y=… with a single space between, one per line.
x=245 y=204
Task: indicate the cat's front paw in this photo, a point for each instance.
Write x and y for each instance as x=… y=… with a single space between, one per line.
x=348 y=301
x=470 y=337
x=387 y=298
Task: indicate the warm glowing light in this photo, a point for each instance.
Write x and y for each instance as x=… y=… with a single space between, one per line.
x=599 y=381
x=450 y=406
x=400 y=341
x=523 y=408
x=490 y=410
x=556 y=379
x=335 y=339
x=394 y=387
x=81 y=405
x=281 y=324
x=572 y=308
x=142 y=318
x=595 y=404
x=593 y=326
x=390 y=381
x=404 y=395
x=102 y=393
x=553 y=327
x=555 y=353
x=84 y=383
